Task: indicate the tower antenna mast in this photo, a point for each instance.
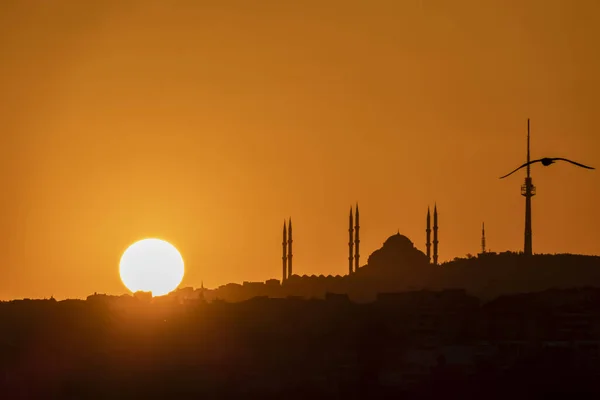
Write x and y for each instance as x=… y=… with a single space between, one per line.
x=528 y=152
x=528 y=191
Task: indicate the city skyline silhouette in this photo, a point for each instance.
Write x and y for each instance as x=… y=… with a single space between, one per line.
x=207 y=125
x=150 y=151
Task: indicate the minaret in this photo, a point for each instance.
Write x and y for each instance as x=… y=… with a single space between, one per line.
x=201 y=296
x=528 y=190
x=284 y=276
x=435 y=235
x=350 y=244
x=356 y=241
x=289 y=255
x=483 y=238
x=428 y=232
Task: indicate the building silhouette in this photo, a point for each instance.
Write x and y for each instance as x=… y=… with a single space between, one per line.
x=354 y=243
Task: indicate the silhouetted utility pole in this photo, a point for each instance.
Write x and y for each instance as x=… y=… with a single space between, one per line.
x=350 y=243
x=528 y=190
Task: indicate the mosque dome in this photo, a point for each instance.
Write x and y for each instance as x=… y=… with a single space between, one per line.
x=398 y=251
x=399 y=241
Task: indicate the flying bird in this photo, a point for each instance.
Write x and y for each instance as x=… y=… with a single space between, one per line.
x=545 y=162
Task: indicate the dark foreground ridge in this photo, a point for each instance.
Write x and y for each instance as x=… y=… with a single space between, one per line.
x=419 y=344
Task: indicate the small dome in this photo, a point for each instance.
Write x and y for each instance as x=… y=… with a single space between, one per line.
x=398 y=241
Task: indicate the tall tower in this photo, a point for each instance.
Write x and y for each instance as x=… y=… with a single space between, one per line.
x=356 y=241
x=284 y=253
x=435 y=235
x=350 y=243
x=483 y=238
x=428 y=232
x=289 y=255
x=528 y=190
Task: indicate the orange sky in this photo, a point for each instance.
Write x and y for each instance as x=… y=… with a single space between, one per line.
x=206 y=123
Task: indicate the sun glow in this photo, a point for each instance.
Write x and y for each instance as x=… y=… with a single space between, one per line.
x=151 y=265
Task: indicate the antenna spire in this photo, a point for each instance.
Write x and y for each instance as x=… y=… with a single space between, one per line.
x=528 y=191
x=528 y=153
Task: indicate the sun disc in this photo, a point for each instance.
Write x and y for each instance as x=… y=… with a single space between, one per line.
x=151 y=265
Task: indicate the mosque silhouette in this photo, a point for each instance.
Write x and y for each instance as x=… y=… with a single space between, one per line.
x=395 y=248
x=399 y=266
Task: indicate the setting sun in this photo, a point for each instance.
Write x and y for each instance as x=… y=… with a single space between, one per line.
x=151 y=265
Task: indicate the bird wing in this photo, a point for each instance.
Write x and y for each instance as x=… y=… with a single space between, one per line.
x=524 y=165
x=573 y=162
